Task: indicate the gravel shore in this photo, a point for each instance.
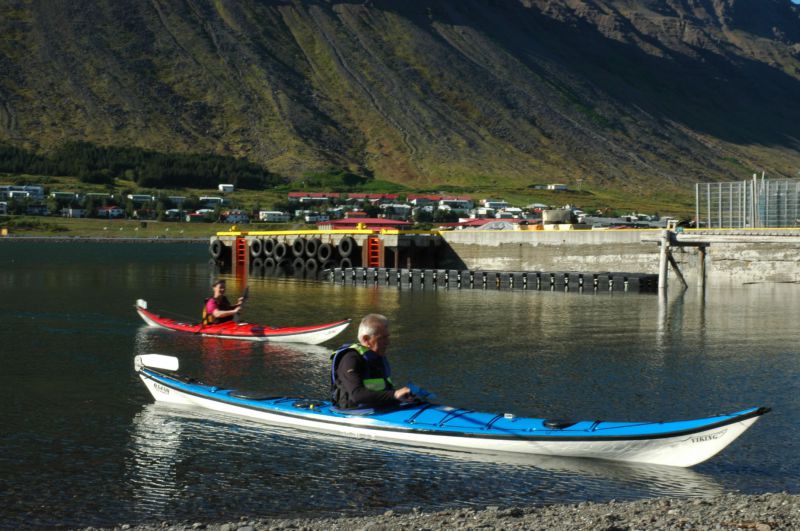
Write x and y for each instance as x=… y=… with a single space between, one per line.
x=763 y=512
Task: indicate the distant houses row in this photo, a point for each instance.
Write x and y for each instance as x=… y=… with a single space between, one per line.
x=323 y=208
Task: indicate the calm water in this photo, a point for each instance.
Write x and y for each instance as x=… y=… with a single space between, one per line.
x=83 y=444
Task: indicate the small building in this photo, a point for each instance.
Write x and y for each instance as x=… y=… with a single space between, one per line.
x=311 y=197
x=235 y=216
x=73 y=212
x=98 y=196
x=173 y=214
x=482 y=213
x=456 y=204
x=141 y=198
x=196 y=217
x=557 y=187
x=366 y=223
x=8 y=191
x=208 y=200
x=423 y=199
x=315 y=217
x=371 y=198
x=37 y=210
x=110 y=212
x=225 y=188
x=3 y=208
x=64 y=196
x=494 y=204
x=509 y=213
x=396 y=211
x=273 y=216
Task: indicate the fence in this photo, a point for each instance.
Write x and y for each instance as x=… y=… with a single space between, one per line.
x=754 y=203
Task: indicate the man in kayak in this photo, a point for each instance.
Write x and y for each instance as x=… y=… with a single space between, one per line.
x=218 y=308
x=361 y=376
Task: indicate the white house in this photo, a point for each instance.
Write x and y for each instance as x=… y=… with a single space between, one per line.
x=32 y=191
x=558 y=187
x=110 y=212
x=225 y=188
x=64 y=196
x=141 y=198
x=273 y=216
x=208 y=200
x=396 y=211
x=509 y=213
x=73 y=212
x=494 y=204
x=482 y=213
x=456 y=204
x=99 y=196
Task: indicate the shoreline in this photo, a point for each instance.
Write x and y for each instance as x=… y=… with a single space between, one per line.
x=762 y=512
x=102 y=239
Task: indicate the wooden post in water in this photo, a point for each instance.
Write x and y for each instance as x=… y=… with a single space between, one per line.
x=675 y=267
x=701 y=276
x=663 y=261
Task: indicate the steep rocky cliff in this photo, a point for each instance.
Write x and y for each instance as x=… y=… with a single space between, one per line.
x=627 y=93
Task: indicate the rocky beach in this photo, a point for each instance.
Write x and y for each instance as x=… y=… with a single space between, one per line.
x=763 y=512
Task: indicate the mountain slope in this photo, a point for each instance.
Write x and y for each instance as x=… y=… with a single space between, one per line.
x=617 y=93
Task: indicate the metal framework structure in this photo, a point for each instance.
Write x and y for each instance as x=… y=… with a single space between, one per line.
x=754 y=203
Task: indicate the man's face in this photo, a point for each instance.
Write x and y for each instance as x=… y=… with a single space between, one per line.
x=379 y=341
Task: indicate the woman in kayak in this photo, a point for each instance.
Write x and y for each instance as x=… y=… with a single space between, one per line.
x=361 y=376
x=218 y=308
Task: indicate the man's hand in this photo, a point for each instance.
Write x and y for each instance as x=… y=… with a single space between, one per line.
x=403 y=394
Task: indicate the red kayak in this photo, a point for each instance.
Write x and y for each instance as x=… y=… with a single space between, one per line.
x=312 y=335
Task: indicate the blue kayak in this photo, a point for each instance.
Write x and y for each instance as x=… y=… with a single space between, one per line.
x=677 y=443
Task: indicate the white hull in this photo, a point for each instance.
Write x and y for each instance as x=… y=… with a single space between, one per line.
x=309 y=337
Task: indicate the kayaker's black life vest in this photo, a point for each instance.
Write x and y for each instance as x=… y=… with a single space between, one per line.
x=209 y=319
x=377 y=373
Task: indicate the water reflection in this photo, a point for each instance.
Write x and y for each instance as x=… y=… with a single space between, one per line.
x=180 y=453
x=155 y=448
x=239 y=363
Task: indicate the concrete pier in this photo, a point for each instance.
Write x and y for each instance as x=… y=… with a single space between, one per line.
x=695 y=257
x=713 y=258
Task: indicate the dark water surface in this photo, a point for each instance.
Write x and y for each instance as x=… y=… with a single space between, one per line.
x=81 y=442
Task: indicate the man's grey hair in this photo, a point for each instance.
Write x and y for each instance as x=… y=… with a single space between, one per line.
x=371 y=323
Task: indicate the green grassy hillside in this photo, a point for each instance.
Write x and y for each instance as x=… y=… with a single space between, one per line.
x=636 y=98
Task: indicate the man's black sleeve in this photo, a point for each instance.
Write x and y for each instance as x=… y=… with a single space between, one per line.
x=349 y=372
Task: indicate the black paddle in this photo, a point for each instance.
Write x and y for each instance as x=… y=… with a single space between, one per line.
x=245 y=295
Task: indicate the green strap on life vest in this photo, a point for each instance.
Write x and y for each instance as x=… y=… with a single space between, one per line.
x=373 y=384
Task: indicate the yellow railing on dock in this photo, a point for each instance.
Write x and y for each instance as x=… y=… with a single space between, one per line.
x=313 y=232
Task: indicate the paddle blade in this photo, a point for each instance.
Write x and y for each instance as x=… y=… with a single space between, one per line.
x=245 y=293
x=156 y=361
